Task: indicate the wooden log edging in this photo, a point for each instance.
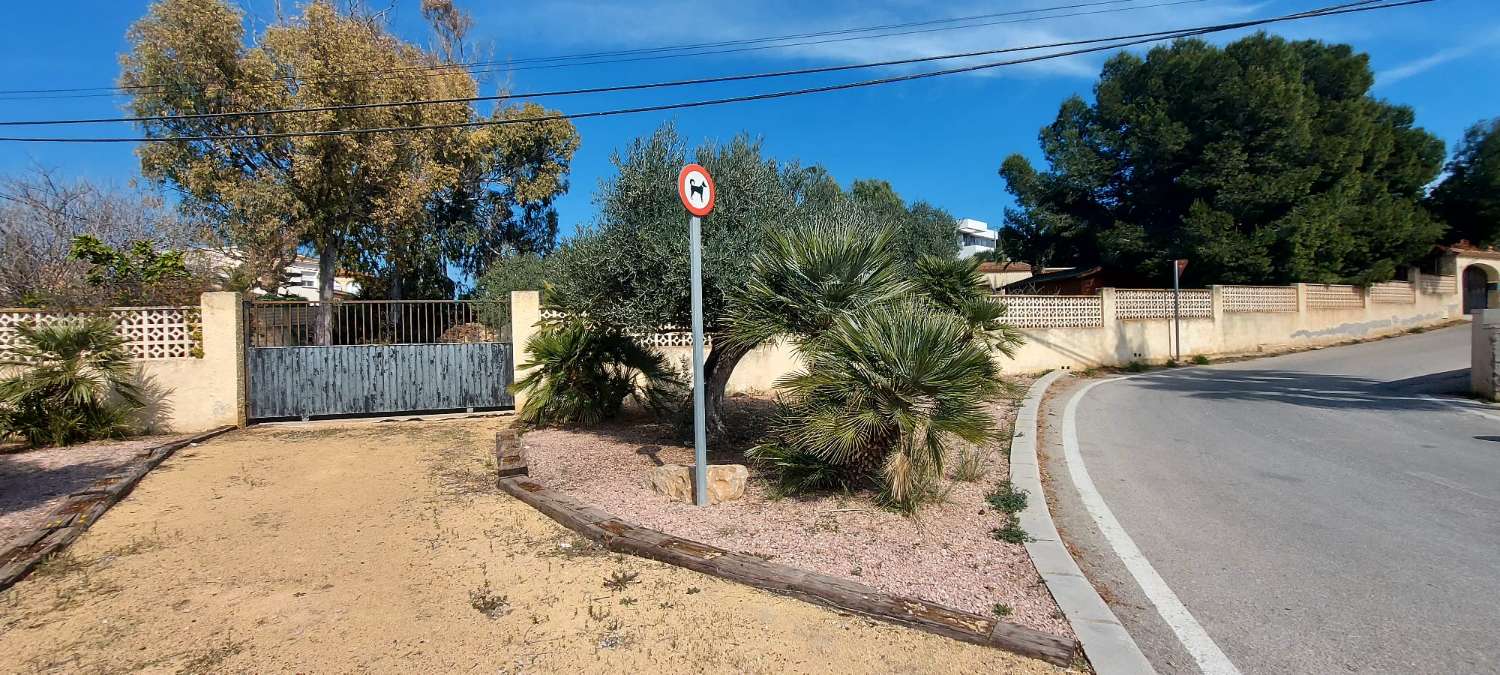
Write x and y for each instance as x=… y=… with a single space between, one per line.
x=840 y=594
x=82 y=509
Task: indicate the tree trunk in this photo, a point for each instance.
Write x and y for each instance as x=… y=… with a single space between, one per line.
x=397 y=313
x=327 y=262
x=717 y=367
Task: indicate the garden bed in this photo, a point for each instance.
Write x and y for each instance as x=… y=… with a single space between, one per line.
x=34 y=482
x=945 y=554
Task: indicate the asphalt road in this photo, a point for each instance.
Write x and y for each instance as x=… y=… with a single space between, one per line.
x=1315 y=512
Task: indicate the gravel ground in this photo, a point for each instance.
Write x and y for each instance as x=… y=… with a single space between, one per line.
x=33 y=482
x=945 y=554
x=385 y=548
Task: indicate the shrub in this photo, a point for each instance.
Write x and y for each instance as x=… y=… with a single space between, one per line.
x=1200 y=360
x=969 y=464
x=798 y=471
x=583 y=373
x=75 y=383
x=1007 y=498
x=886 y=392
x=1011 y=533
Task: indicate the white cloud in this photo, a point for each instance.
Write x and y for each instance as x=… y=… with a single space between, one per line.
x=1433 y=60
x=576 y=26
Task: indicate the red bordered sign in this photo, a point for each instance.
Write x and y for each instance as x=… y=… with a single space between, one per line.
x=696 y=189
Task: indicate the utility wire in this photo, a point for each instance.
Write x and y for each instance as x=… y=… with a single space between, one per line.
x=505 y=66
x=591 y=90
x=638 y=50
x=1348 y=8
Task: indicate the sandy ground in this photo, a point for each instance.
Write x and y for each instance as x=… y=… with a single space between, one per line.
x=34 y=482
x=385 y=548
x=944 y=554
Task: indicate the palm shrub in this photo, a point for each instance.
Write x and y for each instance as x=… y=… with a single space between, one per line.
x=885 y=392
x=898 y=365
x=811 y=273
x=73 y=382
x=582 y=373
x=956 y=285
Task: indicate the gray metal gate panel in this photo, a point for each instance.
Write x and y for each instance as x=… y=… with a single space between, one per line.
x=365 y=379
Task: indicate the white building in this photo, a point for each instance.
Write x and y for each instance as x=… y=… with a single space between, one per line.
x=300 y=278
x=974 y=237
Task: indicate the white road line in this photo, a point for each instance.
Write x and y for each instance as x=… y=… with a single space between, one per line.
x=1190 y=633
x=1464 y=405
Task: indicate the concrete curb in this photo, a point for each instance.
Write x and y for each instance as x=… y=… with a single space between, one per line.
x=1106 y=644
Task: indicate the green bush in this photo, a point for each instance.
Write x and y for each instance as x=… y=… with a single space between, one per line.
x=798 y=471
x=1006 y=498
x=74 y=383
x=886 y=392
x=583 y=374
x=1200 y=360
x=899 y=360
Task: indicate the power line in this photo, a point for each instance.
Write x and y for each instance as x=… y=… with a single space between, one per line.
x=473 y=67
x=1348 y=8
x=591 y=90
x=641 y=50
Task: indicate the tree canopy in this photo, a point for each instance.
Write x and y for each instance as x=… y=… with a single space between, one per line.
x=401 y=205
x=1264 y=161
x=630 y=268
x=1468 y=199
x=44 y=216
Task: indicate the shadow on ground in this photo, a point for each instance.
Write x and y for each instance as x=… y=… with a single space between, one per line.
x=1311 y=390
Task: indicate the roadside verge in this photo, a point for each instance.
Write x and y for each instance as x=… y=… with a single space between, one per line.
x=1107 y=645
x=81 y=509
x=623 y=537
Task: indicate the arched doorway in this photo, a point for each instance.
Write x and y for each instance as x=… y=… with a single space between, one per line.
x=1480 y=288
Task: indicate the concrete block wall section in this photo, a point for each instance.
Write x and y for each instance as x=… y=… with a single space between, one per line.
x=196 y=394
x=1484 y=373
x=1225 y=330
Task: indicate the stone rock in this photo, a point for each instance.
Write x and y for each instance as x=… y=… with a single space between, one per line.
x=726 y=482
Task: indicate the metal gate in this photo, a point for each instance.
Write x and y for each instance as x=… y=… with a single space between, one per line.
x=380 y=357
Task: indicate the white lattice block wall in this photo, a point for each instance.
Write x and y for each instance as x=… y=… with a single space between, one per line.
x=1438 y=284
x=671 y=337
x=1053 y=311
x=1394 y=293
x=1334 y=296
x=1158 y=304
x=150 y=332
x=1259 y=299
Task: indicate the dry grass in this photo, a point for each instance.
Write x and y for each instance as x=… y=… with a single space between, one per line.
x=381 y=548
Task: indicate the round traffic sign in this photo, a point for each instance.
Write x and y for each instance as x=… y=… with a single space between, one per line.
x=696 y=189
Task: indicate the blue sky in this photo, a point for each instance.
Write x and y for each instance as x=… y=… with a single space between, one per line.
x=939 y=140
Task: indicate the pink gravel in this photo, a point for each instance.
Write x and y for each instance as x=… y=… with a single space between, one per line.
x=33 y=482
x=944 y=554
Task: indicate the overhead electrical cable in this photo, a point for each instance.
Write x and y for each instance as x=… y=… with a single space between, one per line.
x=507 y=66
x=591 y=90
x=1347 y=8
x=644 y=50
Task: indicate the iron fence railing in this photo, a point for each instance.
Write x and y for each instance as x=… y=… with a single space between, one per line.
x=376 y=322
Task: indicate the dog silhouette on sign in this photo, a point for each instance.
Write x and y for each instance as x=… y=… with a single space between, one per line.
x=695 y=189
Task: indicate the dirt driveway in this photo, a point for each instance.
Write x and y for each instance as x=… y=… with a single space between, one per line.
x=385 y=547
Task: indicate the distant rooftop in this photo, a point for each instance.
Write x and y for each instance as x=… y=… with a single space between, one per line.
x=977 y=228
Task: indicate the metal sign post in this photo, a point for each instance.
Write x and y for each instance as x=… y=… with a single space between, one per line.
x=697 y=192
x=1177 y=267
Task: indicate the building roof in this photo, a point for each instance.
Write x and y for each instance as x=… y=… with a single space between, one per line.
x=1060 y=275
x=999 y=268
x=1467 y=249
x=977 y=228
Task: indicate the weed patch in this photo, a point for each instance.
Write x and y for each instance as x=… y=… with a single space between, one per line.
x=619 y=580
